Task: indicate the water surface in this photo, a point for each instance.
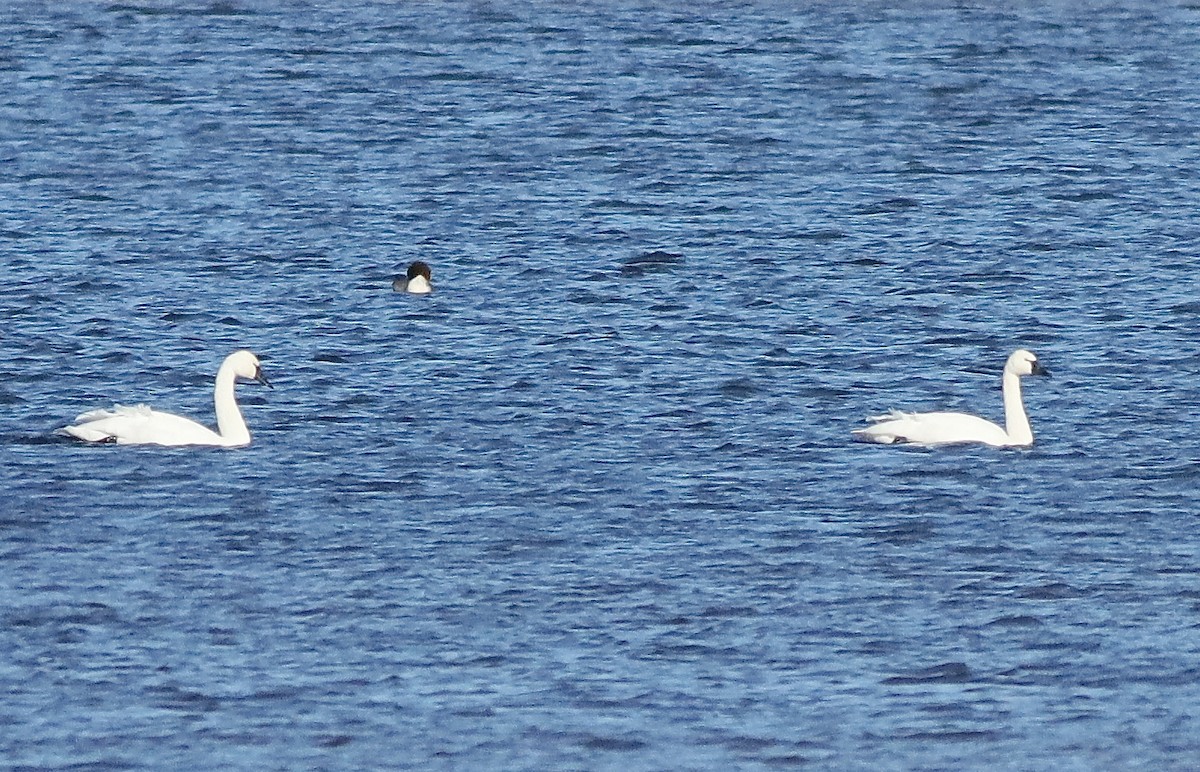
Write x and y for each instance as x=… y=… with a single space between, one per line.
x=593 y=503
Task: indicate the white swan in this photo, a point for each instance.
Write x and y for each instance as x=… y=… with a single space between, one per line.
x=139 y=425
x=951 y=428
x=417 y=280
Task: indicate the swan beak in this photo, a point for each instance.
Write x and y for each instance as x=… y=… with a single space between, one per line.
x=1039 y=370
x=261 y=378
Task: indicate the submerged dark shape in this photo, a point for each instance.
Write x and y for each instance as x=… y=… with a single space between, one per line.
x=945 y=673
x=657 y=261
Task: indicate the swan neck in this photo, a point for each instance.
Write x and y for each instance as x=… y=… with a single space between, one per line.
x=1015 y=419
x=230 y=424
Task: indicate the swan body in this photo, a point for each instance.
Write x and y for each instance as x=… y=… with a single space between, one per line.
x=141 y=425
x=958 y=428
x=417 y=281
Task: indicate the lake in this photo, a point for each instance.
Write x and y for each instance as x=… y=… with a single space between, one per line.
x=594 y=503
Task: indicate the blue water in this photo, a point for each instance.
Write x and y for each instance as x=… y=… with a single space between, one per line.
x=593 y=504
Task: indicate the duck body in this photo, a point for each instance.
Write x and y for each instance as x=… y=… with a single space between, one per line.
x=416 y=281
x=944 y=428
x=142 y=425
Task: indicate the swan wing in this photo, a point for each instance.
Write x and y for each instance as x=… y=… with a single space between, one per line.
x=140 y=425
x=933 y=429
x=98 y=425
x=885 y=429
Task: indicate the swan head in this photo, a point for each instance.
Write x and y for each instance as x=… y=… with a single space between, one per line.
x=1023 y=362
x=246 y=365
x=417 y=280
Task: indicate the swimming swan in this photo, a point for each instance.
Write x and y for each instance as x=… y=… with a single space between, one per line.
x=417 y=281
x=949 y=428
x=139 y=425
